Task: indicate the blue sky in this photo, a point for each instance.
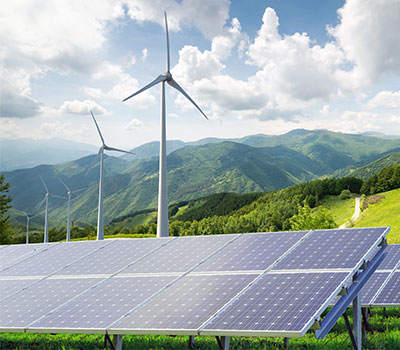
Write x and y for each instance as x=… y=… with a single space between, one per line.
x=253 y=66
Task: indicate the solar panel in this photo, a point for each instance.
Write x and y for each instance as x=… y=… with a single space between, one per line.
x=103 y=304
x=12 y=254
x=180 y=255
x=186 y=305
x=392 y=257
x=50 y=260
x=390 y=294
x=106 y=261
x=332 y=249
x=19 y=310
x=256 y=251
x=372 y=286
x=9 y=287
x=278 y=303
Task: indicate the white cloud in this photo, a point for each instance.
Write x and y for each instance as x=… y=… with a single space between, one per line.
x=385 y=99
x=133 y=124
x=82 y=107
x=144 y=54
x=208 y=16
x=368 y=33
x=93 y=92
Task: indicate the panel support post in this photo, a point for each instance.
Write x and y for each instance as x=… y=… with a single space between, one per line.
x=357 y=321
x=117 y=341
x=365 y=324
x=191 y=342
x=286 y=343
x=225 y=343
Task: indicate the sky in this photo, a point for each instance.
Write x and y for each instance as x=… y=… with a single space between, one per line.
x=260 y=66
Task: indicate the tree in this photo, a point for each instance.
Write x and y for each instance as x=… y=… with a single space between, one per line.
x=308 y=219
x=5 y=199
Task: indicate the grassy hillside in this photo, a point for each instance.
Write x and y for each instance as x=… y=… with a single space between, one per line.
x=385 y=212
x=340 y=209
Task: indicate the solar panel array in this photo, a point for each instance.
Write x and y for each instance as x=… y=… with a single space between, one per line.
x=383 y=288
x=270 y=284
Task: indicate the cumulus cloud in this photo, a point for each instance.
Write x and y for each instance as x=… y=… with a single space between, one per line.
x=94 y=92
x=368 y=33
x=385 y=99
x=17 y=105
x=82 y=107
x=133 y=124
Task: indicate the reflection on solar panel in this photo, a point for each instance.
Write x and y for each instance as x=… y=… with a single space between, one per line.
x=186 y=285
x=284 y=303
x=330 y=249
x=50 y=260
x=103 y=304
x=187 y=304
x=181 y=254
x=252 y=252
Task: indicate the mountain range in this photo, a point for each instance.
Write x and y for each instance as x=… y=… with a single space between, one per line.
x=249 y=164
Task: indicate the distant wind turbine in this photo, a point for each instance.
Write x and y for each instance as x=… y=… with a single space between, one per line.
x=69 y=194
x=46 y=200
x=103 y=147
x=28 y=218
x=162 y=220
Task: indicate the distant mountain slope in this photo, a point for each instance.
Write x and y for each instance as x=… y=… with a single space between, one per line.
x=27 y=153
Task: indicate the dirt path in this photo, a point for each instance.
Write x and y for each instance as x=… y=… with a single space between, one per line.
x=357 y=211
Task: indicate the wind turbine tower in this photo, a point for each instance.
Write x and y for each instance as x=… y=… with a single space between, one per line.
x=69 y=194
x=103 y=147
x=162 y=220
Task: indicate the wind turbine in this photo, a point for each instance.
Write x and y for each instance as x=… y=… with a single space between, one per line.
x=103 y=147
x=46 y=200
x=162 y=225
x=28 y=218
x=69 y=194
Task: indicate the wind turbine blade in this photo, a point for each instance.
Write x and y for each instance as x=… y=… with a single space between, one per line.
x=93 y=162
x=55 y=196
x=98 y=129
x=175 y=85
x=117 y=150
x=65 y=185
x=41 y=203
x=47 y=191
x=81 y=189
x=159 y=79
x=166 y=32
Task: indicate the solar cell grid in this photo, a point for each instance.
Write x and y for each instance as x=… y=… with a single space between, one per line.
x=180 y=255
x=256 y=251
x=392 y=257
x=9 y=287
x=278 y=302
x=19 y=310
x=113 y=257
x=187 y=304
x=372 y=286
x=390 y=294
x=17 y=252
x=103 y=304
x=331 y=249
x=51 y=260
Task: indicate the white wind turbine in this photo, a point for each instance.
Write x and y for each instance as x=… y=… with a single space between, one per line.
x=46 y=200
x=28 y=219
x=69 y=194
x=162 y=220
x=103 y=147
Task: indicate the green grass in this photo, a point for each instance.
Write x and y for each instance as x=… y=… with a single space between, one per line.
x=384 y=213
x=134 y=235
x=385 y=336
x=340 y=209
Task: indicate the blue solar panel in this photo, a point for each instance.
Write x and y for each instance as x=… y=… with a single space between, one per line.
x=256 y=251
x=392 y=257
x=113 y=257
x=19 y=310
x=9 y=287
x=330 y=249
x=12 y=254
x=390 y=294
x=372 y=286
x=103 y=304
x=279 y=302
x=50 y=260
x=187 y=304
x=180 y=255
